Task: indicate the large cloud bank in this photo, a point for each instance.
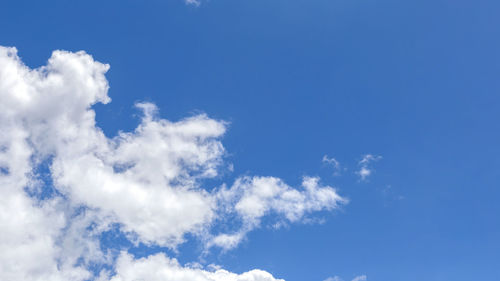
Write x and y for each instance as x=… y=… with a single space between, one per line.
x=63 y=183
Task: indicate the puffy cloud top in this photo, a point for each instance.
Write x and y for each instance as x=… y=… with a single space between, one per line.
x=148 y=182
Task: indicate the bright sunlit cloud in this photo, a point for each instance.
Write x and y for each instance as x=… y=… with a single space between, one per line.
x=148 y=182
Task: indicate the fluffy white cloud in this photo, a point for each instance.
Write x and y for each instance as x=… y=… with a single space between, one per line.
x=38 y=240
x=255 y=197
x=260 y=195
x=147 y=181
x=160 y=268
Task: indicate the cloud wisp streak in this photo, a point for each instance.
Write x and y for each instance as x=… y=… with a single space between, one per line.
x=357 y=278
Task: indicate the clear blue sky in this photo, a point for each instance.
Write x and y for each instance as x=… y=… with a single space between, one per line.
x=415 y=82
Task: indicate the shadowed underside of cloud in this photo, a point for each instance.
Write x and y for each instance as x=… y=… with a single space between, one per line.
x=148 y=181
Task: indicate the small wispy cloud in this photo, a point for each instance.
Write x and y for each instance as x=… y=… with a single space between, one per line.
x=360 y=278
x=334 y=163
x=390 y=194
x=334 y=278
x=357 y=278
x=193 y=2
x=365 y=170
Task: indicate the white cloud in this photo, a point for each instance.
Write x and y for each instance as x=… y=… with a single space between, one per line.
x=357 y=278
x=193 y=2
x=360 y=278
x=334 y=278
x=255 y=197
x=365 y=169
x=334 y=163
x=35 y=234
x=160 y=268
x=147 y=181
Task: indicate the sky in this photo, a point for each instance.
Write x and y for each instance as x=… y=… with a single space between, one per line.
x=232 y=140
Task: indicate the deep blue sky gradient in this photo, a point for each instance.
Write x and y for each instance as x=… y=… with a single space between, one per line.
x=416 y=82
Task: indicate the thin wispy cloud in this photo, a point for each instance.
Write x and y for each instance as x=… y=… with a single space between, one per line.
x=193 y=2
x=360 y=278
x=365 y=166
x=334 y=278
x=337 y=278
x=337 y=169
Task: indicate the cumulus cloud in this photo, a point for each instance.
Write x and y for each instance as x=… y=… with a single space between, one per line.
x=365 y=169
x=39 y=238
x=160 y=268
x=148 y=182
x=255 y=197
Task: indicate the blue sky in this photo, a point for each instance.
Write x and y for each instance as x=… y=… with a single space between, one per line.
x=414 y=82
